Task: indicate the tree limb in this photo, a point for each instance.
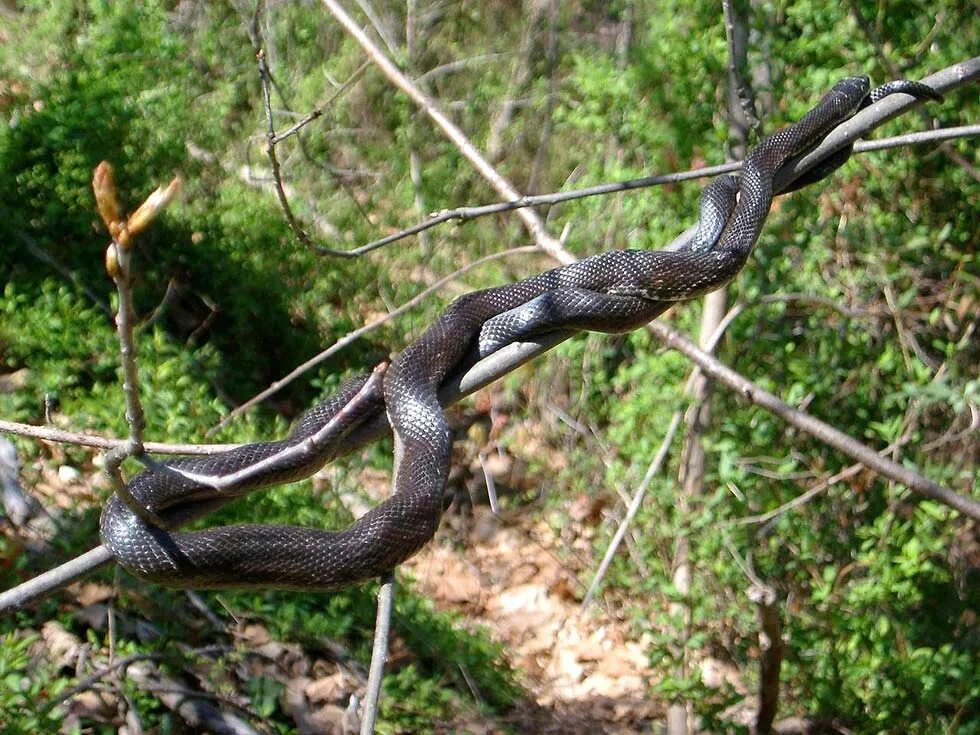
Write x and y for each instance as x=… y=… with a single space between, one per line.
x=379 y=653
x=532 y=222
x=61 y=436
x=812 y=425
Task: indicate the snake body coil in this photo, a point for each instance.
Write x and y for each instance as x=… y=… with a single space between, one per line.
x=614 y=291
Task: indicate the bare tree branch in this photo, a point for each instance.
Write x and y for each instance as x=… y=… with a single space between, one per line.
x=118 y=260
x=943 y=81
x=814 y=426
x=270 y=150
x=635 y=502
x=771 y=647
x=192 y=706
x=804 y=497
x=273 y=138
x=452 y=67
x=917 y=138
x=53 y=579
x=379 y=653
x=60 y=436
x=465 y=214
x=95 y=677
x=319 y=109
x=534 y=224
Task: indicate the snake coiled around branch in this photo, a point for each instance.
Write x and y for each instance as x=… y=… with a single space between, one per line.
x=614 y=291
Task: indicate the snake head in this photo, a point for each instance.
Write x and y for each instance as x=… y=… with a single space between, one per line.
x=853 y=90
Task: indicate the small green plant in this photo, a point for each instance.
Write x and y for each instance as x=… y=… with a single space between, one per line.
x=25 y=684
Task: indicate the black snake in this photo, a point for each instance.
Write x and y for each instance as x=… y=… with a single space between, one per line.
x=615 y=291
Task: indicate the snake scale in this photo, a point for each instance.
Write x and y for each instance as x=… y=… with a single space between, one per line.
x=614 y=291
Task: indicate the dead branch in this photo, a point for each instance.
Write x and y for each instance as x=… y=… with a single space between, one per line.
x=772 y=649
x=814 y=426
x=379 y=653
x=532 y=222
x=635 y=502
x=118 y=260
x=192 y=707
x=61 y=436
x=465 y=214
x=943 y=81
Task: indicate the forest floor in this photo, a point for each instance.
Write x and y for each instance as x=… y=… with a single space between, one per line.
x=583 y=671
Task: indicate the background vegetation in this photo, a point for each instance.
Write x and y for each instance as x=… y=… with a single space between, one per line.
x=880 y=590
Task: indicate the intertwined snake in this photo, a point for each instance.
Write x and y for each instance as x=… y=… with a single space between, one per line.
x=615 y=291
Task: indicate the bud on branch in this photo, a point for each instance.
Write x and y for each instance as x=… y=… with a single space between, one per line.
x=122 y=231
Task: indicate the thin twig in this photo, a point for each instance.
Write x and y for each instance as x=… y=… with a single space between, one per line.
x=268 y=82
x=61 y=575
x=270 y=151
x=118 y=262
x=634 y=507
x=454 y=66
x=917 y=138
x=804 y=497
x=191 y=706
x=464 y=214
x=365 y=329
x=95 y=677
x=378 y=26
x=318 y=110
x=135 y=418
x=60 y=436
x=379 y=653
